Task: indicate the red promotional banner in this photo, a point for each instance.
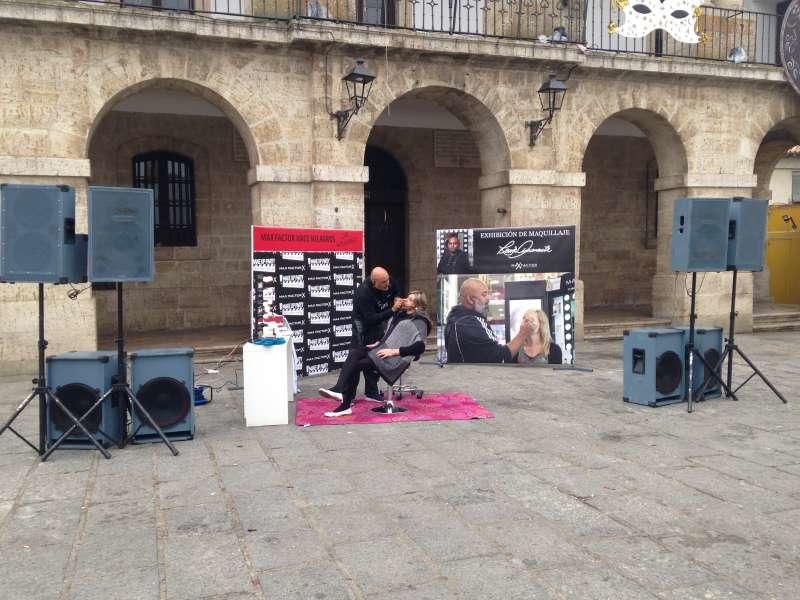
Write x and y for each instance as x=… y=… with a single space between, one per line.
x=283 y=239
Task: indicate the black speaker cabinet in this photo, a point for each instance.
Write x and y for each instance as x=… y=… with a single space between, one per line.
x=121 y=232
x=653 y=366
x=79 y=379
x=700 y=234
x=37 y=232
x=746 y=234
x=163 y=381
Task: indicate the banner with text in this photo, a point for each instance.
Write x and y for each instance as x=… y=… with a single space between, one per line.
x=528 y=276
x=309 y=276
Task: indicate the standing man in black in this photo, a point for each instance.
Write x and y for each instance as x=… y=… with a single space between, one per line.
x=376 y=300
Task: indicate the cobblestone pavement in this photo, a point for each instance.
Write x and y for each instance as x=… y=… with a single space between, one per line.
x=567 y=493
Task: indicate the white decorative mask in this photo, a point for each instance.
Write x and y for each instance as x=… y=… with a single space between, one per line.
x=678 y=17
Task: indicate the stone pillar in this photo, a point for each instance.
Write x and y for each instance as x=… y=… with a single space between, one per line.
x=530 y=198
x=69 y=324
x=281 y=196
x=324 y=196
x=712 y=305
x=338 y=193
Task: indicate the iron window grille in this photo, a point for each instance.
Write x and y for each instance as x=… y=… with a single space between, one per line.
x=171 y=177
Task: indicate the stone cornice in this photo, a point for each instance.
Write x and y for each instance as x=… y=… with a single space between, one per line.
x=305 y=32
x=706 y=180
x=531 y=177
x=36 y=166
x=317 y=173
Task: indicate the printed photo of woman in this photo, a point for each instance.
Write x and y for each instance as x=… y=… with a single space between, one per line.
x=538 y=346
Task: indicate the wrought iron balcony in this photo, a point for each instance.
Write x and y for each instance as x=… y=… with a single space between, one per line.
x=733 y=35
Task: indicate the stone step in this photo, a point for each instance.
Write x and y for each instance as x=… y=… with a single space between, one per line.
x=613 y=330
x=785 y=325
x=777 y=317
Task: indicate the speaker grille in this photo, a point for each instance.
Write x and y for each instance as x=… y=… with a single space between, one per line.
x=120 y=234
x=166 y=400
x=712 y=358
x=669 y=370
x=34 y=252
x=78 y=398
x=33 y=209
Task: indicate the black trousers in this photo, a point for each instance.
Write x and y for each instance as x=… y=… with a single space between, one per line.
x=356 y=363
x=371 y=376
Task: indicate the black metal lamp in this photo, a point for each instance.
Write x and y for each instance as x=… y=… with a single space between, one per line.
x=551 y=96
x=358 y=83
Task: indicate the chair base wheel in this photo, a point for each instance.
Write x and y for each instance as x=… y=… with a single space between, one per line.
x=388 y=409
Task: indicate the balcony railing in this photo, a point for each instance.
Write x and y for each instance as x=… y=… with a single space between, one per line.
x=734 y=35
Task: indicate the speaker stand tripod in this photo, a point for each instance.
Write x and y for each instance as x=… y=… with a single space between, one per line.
x=693 y=353
x=127 y=399
x=45 y=395
x=731 y=347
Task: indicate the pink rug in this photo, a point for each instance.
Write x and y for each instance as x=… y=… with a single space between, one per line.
x=431 y=407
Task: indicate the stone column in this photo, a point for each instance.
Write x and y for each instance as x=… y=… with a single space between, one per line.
x=281 y=196
x=338 y=193
x=324 y=196
x=712 y=305
x=69 y=324
x=531 y=198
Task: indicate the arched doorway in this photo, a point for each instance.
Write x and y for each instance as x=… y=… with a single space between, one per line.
x=182 y=145
x=776 y=293
x=385 y=214
x=442 y=140
x=624 y=251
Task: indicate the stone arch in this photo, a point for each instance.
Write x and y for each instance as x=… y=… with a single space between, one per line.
x=667 y=143
x=206 y=93
x=621 y=208
x=781 y=136
x=475 y=113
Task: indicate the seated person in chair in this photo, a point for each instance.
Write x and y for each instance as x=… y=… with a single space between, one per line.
x=403 y=341
x=538 y=346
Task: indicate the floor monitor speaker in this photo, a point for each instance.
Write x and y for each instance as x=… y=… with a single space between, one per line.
x=653 y=366
x=121 y=233
x=163 y=382
x=37 y=232
x=79 y=379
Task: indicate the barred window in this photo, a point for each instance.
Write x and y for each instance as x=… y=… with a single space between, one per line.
x=171 y=177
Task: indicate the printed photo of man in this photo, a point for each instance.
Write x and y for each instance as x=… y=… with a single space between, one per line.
x=453 y=259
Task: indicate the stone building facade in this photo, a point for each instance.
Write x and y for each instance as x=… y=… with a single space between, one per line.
x=86 y=87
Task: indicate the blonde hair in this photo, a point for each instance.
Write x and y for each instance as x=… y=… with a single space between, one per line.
x=544 y=329
x=419 y=298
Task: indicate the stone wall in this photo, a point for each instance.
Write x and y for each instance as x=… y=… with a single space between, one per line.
x=616 y=268
x=201 y=286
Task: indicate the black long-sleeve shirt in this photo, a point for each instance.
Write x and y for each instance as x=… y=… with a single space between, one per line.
x=371 y=307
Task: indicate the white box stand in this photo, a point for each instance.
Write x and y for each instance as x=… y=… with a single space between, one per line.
x=268 y=384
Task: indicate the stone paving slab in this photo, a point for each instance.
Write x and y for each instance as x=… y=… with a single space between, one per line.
x=568 y=493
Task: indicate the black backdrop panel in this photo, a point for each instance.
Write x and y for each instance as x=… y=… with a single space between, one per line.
x=312 y=289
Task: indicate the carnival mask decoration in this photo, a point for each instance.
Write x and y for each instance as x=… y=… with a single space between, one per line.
x=678 y=17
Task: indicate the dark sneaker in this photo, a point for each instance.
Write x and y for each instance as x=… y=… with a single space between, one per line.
x=373 y=397
x=340 y=411
x=330 y=394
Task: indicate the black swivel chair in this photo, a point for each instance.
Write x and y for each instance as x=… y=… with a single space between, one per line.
x=395 y=391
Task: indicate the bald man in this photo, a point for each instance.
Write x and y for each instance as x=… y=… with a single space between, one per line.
x=467 y=335
x=376 y=300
